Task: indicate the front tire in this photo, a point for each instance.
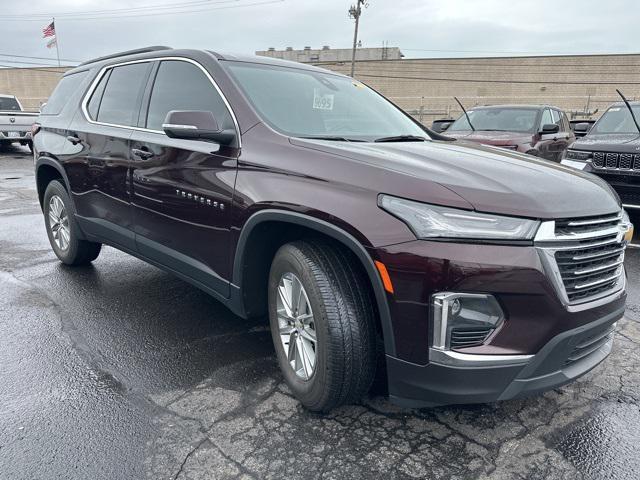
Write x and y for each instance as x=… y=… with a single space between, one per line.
x=62 y=229
x=322 y=323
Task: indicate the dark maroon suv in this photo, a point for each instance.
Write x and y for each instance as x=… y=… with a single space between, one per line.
x=540 y=130
x=292 y=192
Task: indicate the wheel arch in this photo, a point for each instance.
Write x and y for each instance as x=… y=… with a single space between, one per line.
x=249 y=259
x=47 y=170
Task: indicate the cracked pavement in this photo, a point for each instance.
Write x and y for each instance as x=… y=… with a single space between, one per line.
x=121 y=371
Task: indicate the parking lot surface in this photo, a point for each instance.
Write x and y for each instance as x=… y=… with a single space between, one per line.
x=121 y=371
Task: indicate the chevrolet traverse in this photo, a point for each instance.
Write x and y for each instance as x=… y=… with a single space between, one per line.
x=292 y=192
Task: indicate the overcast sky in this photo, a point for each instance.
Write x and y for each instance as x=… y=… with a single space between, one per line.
x=421 y=28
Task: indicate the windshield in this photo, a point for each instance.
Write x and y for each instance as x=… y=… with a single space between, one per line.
x=9 y=103
x=497 y=119
x=617 y=120
x=304 y=103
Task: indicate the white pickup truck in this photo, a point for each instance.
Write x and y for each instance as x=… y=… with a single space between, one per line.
x=15 y=123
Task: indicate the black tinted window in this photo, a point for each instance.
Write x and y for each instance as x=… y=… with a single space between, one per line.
x=183 y=86
x=121 y=96
x=9 y=104
x=96 y=96
x=63 y=91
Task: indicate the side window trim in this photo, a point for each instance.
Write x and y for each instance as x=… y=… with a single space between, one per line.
x=106 y=76
x=146 y=97
x=94 y=84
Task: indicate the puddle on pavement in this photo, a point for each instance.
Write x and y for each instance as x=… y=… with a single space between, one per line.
x=604 y=444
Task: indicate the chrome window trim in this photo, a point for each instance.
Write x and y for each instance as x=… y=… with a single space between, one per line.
x=101 y=73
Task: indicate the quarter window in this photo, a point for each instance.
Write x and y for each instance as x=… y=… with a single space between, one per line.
x=60 y=96
x=122 y=94
x=183 y=86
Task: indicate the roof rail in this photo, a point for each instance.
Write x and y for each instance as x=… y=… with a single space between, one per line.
x=128 y=52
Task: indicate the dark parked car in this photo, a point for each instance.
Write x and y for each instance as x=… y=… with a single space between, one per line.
x=581 y=127
x=539 y=130
x=294 y=192
x=611 y=150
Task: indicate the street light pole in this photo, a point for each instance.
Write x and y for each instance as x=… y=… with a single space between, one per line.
x=354 y=12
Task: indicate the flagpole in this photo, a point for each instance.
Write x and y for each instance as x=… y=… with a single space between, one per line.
x=56 y=34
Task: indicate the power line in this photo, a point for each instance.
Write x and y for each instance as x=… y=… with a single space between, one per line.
x=121 y=10
x=143 y=15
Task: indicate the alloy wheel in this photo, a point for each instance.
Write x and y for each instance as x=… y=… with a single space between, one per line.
x=59 y=222
x=296 y=326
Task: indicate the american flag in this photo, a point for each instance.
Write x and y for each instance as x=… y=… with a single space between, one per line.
x=49 y=30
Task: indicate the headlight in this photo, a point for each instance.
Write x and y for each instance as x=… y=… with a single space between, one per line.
x=432 y=221
x=577 y=155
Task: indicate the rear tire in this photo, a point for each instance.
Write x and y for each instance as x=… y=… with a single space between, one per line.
x=62 y=229
x=342 y=322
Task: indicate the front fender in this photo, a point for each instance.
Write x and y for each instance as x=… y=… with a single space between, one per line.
x=330 y=230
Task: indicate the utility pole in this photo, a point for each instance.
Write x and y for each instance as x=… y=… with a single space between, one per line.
x=354 y=12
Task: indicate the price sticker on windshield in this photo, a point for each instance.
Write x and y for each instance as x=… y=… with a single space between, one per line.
x=322 y=101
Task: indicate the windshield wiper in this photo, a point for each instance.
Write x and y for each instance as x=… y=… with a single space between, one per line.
x=401 y=138
x=465 y=113
x=626 y=102
x=334 y=138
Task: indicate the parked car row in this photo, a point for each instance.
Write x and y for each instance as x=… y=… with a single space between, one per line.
x=539 y=130
x=608 y=147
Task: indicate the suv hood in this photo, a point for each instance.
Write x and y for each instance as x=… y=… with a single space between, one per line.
x=496 y=182
x=492 y=138
x=620 y=143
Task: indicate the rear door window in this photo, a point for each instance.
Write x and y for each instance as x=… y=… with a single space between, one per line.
x=63 y=91
x=120 y=102
x=183 y=86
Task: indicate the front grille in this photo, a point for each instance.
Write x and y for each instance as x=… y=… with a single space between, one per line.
x=629 y=198
x=590 y=345
x=469 y=337
x=587 y=255
x=616 y=161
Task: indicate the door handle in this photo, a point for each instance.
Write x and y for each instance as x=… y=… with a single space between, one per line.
x=141 y=153
x=74 y=140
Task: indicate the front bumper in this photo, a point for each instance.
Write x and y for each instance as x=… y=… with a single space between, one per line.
x=564 y=358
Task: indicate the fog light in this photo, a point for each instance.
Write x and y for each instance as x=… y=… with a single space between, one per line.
x=463 y=319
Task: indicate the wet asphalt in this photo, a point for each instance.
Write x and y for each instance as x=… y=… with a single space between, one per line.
x=121 y=371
